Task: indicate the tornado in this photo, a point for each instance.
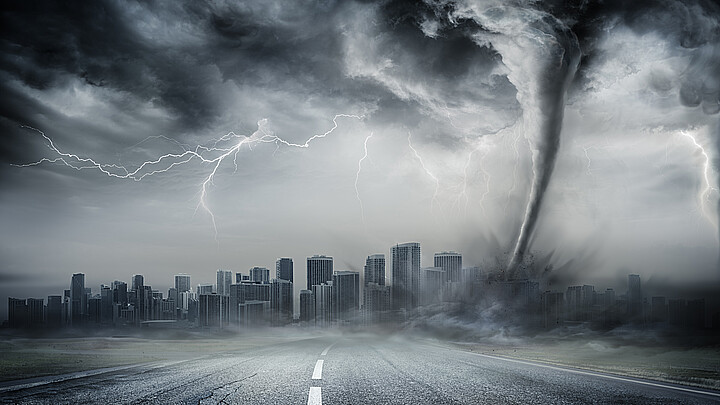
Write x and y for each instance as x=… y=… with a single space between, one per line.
x=542 y=55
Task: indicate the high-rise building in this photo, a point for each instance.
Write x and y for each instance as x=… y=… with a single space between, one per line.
x=376 y=302
x=307 y=306
x=284 y=269
x=281 y=301
x=106 y=304
x=324 y=314
x=182 y=283
x=432 y=284
x=319 y=270
x=18 y=313
x=224 y=279
x=214 y=310
x=54 y=311
x=260 y=275
x=78 y=299
x=346 y=288
x=138 y=281
x=634 y=295
x=451 y=263
x=36 y=311
x=120 y=293
x=375 y=269
x=203 y=289
x=405 y=275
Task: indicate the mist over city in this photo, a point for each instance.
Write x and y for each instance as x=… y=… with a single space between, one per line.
x=529 y=184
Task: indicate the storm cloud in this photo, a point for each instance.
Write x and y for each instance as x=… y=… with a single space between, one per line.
x=588 y=129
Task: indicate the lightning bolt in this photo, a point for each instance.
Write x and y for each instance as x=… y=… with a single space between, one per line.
x=214 y=155
x=708 y=188
x=428 y=172
x=357 y=176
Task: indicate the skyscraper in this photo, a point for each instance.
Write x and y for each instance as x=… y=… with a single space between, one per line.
x=376 y=302
x=182 y=283
x=324 y=314
x=432 y=284
x=260 y=275
x=634 y=297
x=375 y=269
x=451 y=262
x=224 y=279
x=346 y=289
x=405 y=275
x=319 y=270
x=307 y=306
x=284 y=269
x=281 y=301
x=78 y=299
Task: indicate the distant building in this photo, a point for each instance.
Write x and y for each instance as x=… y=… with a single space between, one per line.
x=260 y=275
x=405 y=275
x=182 y=283
x=451 y=263
x=324 y=314
x=120 y=295
x=281 y=301
x=432 y=285
x=54 y=312
x=307 y=306
x=376 y=303
x=635 y=301
x=346 y=289
x=319 y=270
x=214 y=310
x=78 y=299
x=224 y=279
x=375 y=269
x=204 y=289
x=18 y=313
x=284 y=269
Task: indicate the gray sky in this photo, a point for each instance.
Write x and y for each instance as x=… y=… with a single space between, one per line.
x=453 y=93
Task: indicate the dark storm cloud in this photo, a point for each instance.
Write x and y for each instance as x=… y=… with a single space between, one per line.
x=179 y=57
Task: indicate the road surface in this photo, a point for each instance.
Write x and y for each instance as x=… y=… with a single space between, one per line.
x=349 y=370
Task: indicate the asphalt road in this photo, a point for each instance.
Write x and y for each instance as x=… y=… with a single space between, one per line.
x=350 y=370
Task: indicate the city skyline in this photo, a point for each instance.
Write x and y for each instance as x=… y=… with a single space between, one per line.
x=311 y=129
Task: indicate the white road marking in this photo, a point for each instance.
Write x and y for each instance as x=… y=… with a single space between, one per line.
x=612 y=377
x=327 y=349
x=315 y=396
x=317 y=372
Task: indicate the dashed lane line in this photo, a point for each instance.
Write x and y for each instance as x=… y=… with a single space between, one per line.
x=317 y=372
x=315 y=396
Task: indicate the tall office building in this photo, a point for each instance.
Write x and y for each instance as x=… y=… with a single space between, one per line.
x=284 y=269
x=182 y=283
x=324 y=314
x=260 y=275
x=451 y=262
x=78 y=299
x=376 y=302
x=405 y=275
x=432 y=284
x=346 y=289
x=281 y=301
x=319 y=270
x=375 y=269
x=204 y=289
x=120 y=295
x=18 y=312
x=138 y=281
x=36 y=311
x=54 y=311
x=634 y=297
x=214 y=310
x=307 y=306
x=224 y=279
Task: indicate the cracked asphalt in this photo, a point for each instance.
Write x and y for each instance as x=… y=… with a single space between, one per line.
x=356 y=369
